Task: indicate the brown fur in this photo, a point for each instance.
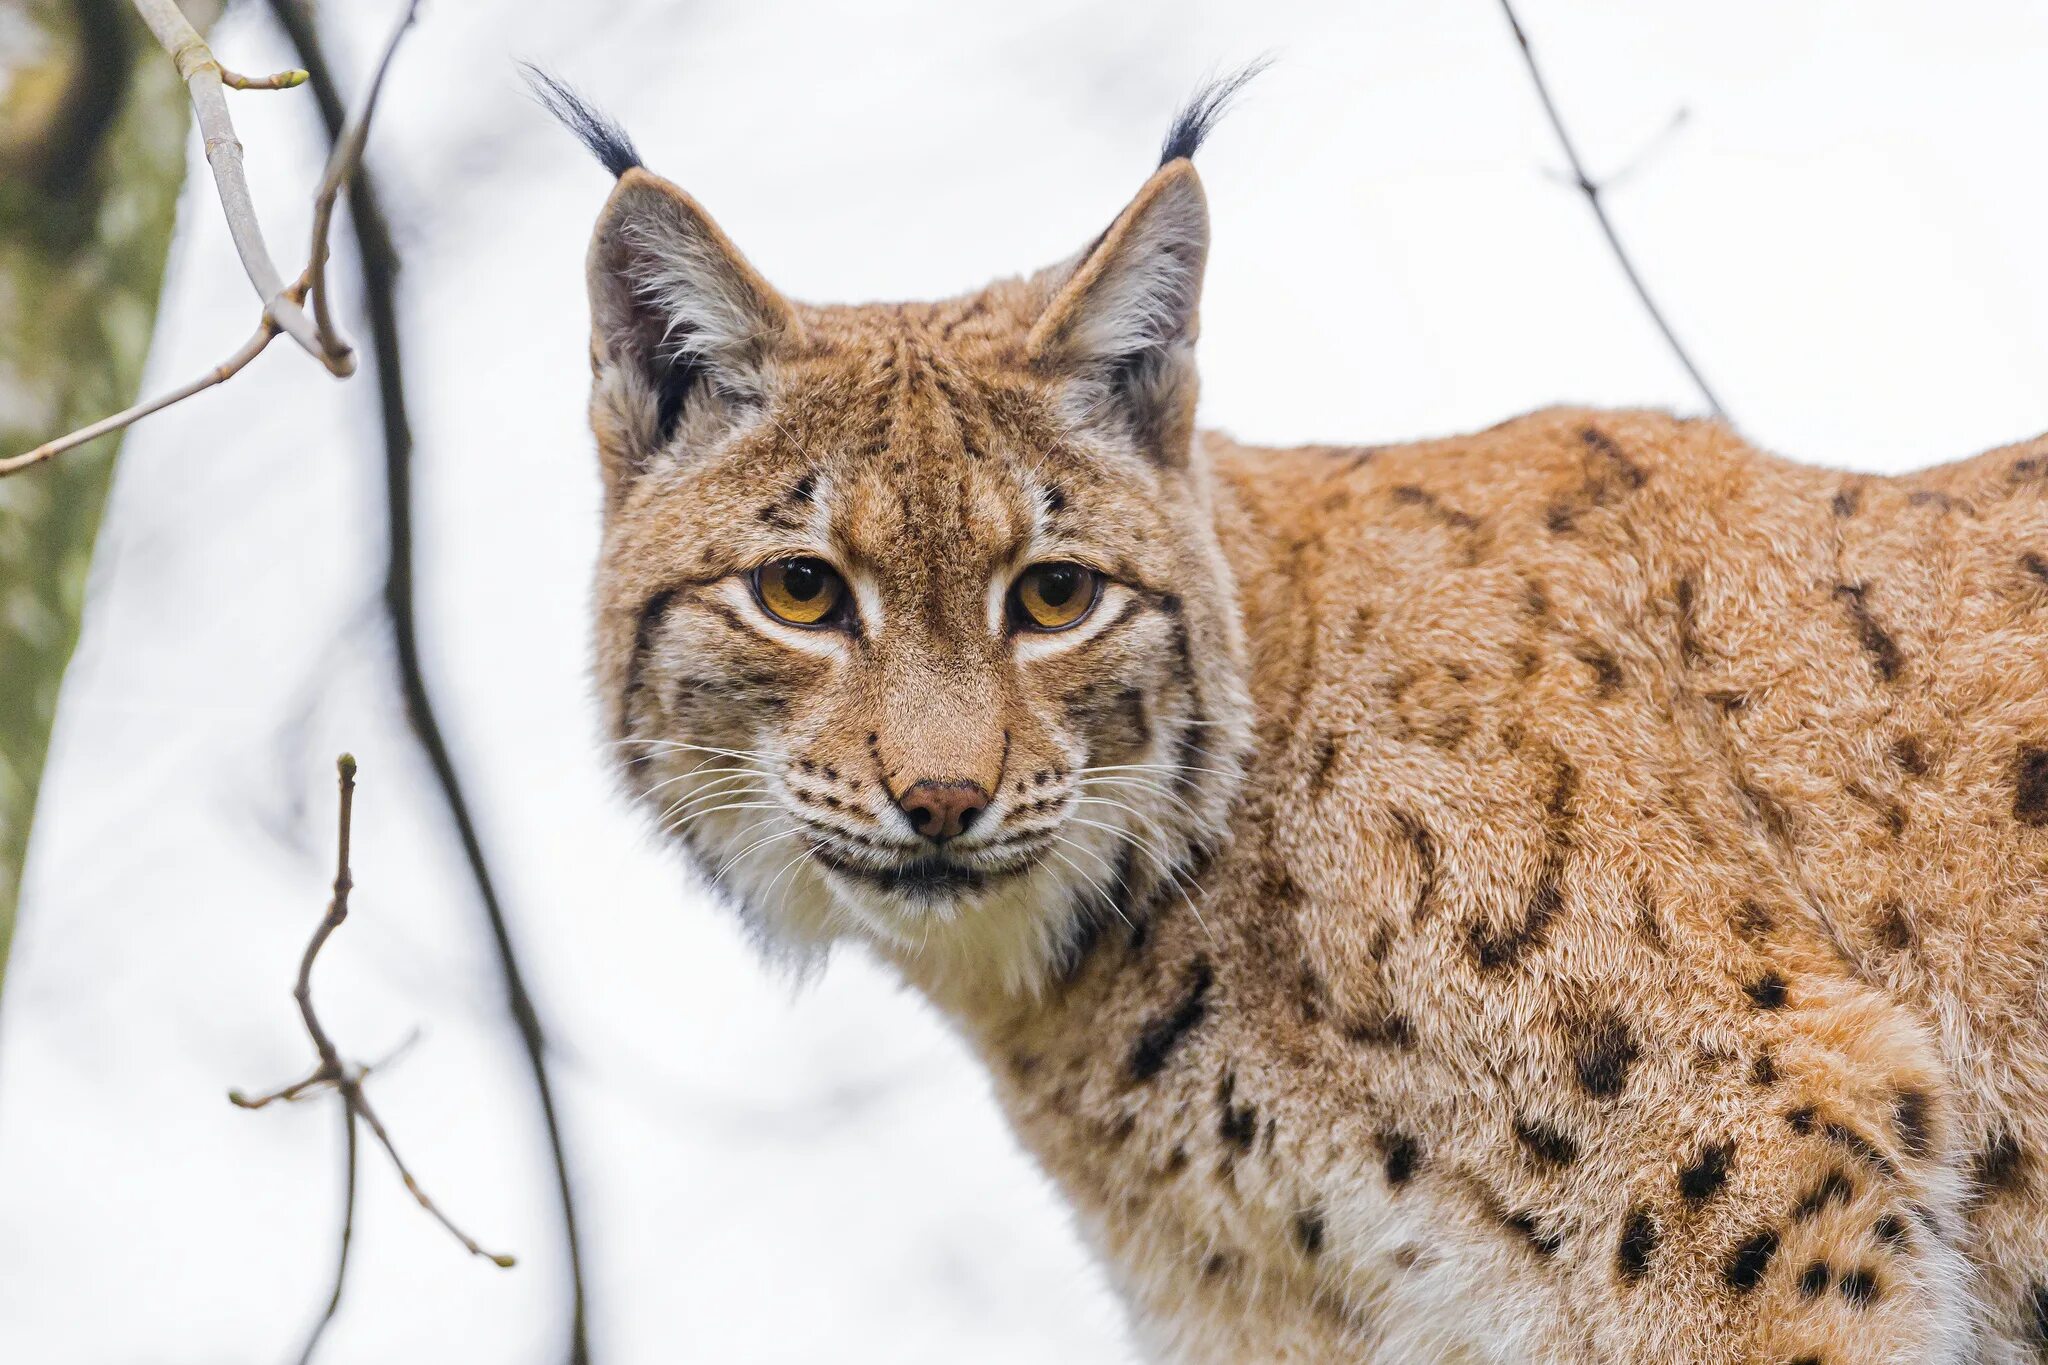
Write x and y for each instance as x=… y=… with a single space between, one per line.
x=1572 y=892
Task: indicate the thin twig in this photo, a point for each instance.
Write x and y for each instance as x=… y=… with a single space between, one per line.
x=348 y=1232
x=343 y=160
x=226 y=370
x=202 y=73
x=202 y=76
x=345 y=1078
x=378 y=259
x=1592 y=190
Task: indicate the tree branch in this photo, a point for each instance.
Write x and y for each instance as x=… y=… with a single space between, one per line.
x=202 y=77
x=379 y=262
x=332 y=1071
x=283 y=311
x=1593 y=189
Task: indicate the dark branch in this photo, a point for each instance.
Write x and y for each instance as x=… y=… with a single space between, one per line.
x=379 y=263
x=348 y=1232
x=1592 y=190
x=344 y=1078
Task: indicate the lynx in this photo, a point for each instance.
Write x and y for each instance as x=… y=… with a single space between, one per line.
x=1574 y=892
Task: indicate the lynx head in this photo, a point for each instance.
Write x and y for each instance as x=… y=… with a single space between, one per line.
x=912 y=624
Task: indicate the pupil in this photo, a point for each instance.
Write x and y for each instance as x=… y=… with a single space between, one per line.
x=802 y=580
x=1055 y=586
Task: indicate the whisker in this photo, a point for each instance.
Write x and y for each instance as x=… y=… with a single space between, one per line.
x=1155 y=767
x=703 y=772
x=1097 y=887
x=763 y=842
x=1165 y=864
x=1143 y=784
x=724 y=794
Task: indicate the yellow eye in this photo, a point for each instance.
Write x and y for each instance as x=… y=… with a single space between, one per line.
x=1053 y=596
x=802 y=592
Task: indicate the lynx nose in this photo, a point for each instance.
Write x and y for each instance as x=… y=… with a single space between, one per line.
x=943 y=810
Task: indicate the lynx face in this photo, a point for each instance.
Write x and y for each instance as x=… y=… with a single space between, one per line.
x=912 y=622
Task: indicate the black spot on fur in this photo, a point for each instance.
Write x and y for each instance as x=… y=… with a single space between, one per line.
x=1156 y=1044
x=1894 y=926
x=1607 y=674
x=1859 y=1287
x=1859 y=1145
x=2036 y=1309
x=2030 y=786
x=1767 y=992
x=1815 y=1280
x=1424 y=843
x=1238 y=1123
x=1910 y=1116
x=1685 y=595
x=1745 y=1268
x=1876 y=641
x=1191 y=126
x=1707 y=1174
x=1401 y=1153
x=1390 y=1028
x=1833 y=1188
x=1753 y=918
x=2000 y=1167
x=1325 y=761
x=597 y=131
x=1308 y=1231
x=1546 y=1143
x=1638 y=1242
x=1910 y=755
x=1523 y=1223
x=1605 y=1052
x=1494 y=949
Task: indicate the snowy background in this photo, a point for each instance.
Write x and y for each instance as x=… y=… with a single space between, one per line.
x=1847 y=231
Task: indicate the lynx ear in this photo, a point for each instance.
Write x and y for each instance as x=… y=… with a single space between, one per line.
x=681 y=326
x=1123 y=324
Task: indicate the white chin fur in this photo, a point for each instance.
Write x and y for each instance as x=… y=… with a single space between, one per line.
x=1008 y=934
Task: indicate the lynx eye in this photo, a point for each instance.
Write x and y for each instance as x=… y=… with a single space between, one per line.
x=1053 y=596
x=801 y=591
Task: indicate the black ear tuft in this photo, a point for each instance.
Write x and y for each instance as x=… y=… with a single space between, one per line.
x=597 y=130
x=1191 y=126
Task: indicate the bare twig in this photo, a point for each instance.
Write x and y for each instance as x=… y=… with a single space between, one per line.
x=202 y=77
x=283 y=310
x=331 y=1071
x=226 y=370
x=378 y=259
x=344 y=159
x=1592 y=189
x=348 y=1233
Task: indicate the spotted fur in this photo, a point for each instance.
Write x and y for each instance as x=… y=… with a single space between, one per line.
x=1572 y=892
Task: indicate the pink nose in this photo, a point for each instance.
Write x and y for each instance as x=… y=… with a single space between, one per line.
x=943 y=810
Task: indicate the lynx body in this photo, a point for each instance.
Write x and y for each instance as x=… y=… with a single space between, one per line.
x=1570 y=893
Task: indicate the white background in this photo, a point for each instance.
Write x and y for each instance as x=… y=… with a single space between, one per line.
x=1847 y=230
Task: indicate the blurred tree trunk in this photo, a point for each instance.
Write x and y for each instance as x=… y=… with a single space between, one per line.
x=92 y=155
